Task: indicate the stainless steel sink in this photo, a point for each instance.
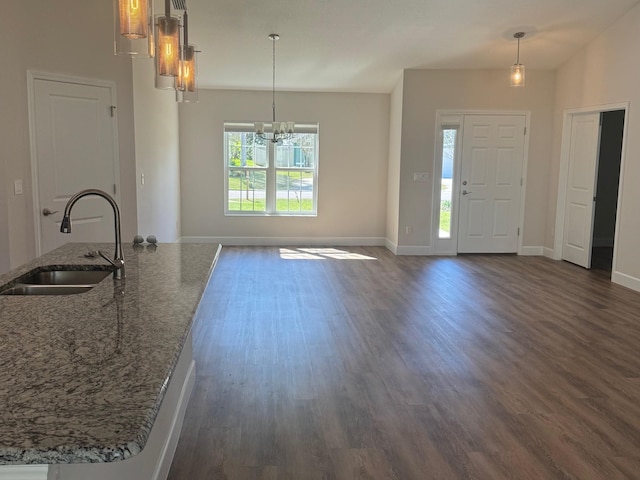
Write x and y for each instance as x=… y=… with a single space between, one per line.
x=66 y=277
x=46 y=289
x=57 y=280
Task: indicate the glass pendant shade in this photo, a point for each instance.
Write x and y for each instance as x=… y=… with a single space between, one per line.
x=186 y=82
x=187 y=78
x=168 y=49
x=517 y=75
x=134 y=22
x=517 y=69
x=133 y=33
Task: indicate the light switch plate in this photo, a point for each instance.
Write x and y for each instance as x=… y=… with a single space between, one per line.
x=421 y=176
x=17 y=187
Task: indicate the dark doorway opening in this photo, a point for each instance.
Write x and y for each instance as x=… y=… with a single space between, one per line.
x=606 y=197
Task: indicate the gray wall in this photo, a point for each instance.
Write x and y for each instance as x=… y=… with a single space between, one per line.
x=426 y=92
x=393 y=169
x=71 y=37
x=157 y=156
x=598 y=75
x=354 y=148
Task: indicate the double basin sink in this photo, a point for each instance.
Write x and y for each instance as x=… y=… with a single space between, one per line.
x=57 y=280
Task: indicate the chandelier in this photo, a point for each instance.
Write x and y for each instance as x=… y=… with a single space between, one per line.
x=279 y=130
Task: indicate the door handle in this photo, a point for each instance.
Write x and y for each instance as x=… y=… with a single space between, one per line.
x=46 y=212
x=464 y=192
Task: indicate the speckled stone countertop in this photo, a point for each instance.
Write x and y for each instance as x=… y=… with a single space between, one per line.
x=82 y=376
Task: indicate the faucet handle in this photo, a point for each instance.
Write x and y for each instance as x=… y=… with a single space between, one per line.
x=118 y=263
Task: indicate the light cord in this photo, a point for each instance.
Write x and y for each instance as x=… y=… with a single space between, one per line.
x=273 y=91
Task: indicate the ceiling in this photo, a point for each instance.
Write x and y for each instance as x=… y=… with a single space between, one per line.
x=363 y=45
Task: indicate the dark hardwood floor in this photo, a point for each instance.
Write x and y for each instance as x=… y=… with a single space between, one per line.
x=353 y=363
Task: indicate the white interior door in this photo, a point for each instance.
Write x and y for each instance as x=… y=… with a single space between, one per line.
x=581 y=184
x=74 y=149
x=491 y=183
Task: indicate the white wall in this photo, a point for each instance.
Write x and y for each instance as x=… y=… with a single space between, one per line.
x=393 y=170
x=4 y=221
x=157 y=156
x=427 y=91
x=352 y=184
x=71 y=37
x=604 y=73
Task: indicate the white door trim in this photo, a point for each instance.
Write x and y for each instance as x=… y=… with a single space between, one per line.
x=563 y=175
x=441 y=119
x=32 y=76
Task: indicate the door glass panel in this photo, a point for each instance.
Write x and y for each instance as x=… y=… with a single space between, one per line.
x=447 y=163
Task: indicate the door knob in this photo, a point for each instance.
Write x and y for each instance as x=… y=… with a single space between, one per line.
x=464 y=192
x=46 y=212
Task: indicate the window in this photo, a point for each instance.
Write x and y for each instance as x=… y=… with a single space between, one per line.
x=266 y=178
x=446 y=181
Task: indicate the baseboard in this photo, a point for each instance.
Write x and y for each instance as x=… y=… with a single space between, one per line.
x=531 y=251
x=289 y=241
x=549 y=252
x=626 y=280
x=171 y=442
x=392 y=247
x=414 y=250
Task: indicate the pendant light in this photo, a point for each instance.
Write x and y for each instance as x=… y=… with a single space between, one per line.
x=168 y=43
x=136 y=34
x=133 y=32
x=517 y=69
x=279 y=130
x=186 y=89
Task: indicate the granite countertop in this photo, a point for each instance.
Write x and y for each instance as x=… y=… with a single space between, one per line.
x=82 y=376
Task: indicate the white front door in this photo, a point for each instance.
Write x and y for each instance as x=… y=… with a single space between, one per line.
x=491 y=183
x=581 y=184
x=74 y=149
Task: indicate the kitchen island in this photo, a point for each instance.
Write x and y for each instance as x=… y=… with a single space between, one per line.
x=96 y=383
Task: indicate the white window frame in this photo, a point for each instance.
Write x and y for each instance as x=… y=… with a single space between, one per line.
x=271 y=173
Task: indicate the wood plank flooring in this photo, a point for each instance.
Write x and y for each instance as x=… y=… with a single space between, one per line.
x=352 y=363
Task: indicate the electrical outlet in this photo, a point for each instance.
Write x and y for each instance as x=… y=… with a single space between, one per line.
x=407 y=229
